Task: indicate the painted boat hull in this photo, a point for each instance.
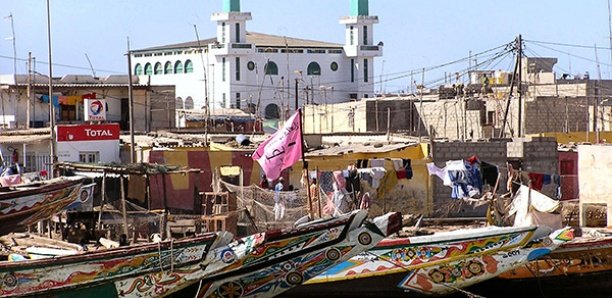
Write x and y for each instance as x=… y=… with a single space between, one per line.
x=30 y=203
x=98 y=272
x=393 y=256
x=453 y=276
x=274 y=271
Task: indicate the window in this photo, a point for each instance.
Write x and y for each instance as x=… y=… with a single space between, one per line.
x=223 y=69
x=158 y=68
x=238 y=100
x=251 y=65
x=148 y=69
x=352 y=37
x=333 y=66
x=365 y=35
x=89 y=156
x=237 y=32
x=68 y=113
x=352 y=70
x=224 y=102
x=179 y=104
x=223 y=33
x=178 y=67
x=138 y=69
x=271 y=68
x=189 y=103
x=168 y=68
x=365 y=70
x=237 y=68
x=314 y=69
x=188 y=66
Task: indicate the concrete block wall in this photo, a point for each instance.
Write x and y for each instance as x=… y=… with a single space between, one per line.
x=546 y=114
x=537 y=155
x=493 y=152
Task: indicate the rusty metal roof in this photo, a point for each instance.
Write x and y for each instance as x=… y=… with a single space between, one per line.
x=359 y=148
x=23 y=139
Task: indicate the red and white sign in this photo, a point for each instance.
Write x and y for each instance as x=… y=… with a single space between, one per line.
x=88 y=132
x=95 y=110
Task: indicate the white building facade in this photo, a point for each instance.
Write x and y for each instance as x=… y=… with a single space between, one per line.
x=259 y=72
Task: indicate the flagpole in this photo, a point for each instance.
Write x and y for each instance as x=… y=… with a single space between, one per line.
x=305 y=165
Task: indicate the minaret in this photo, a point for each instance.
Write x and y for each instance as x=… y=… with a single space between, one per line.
x=360 y=45
x=231 y=23
x=229 y=52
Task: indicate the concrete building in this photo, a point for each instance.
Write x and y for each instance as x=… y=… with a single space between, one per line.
x=153 y=105
x=594 y=168
x=259 y=72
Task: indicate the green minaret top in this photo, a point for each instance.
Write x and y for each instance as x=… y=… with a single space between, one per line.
x=359 y=8
x=231 y=5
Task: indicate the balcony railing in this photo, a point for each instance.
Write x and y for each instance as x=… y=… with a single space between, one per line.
x=369 y=48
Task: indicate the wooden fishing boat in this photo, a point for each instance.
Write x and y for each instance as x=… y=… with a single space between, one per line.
x=449 y=277
x=379 y=270
x=97 y=273
x=398 y=255
x=268 y=263
x=579 y=268
x=293 y=258
x=26 y=204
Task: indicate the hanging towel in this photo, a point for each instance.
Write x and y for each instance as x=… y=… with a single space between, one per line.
x=536 y=180
x=377 y=163
x=408 y=167
x=434 y=170
x=398 y=164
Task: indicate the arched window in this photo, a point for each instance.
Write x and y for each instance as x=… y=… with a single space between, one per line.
x=272 y=111
x=188 y=66
x=168 y=68
x=314 y=69
x=189 y=103
x=138 y=69
x=158 y=68
x=179 y=104
x=178 y=67
x=148 y=69
x=271 y=68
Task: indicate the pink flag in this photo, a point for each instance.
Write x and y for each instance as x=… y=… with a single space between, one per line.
x=282 y=149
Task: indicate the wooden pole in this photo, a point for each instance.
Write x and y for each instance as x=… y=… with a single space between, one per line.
x=103 y=194
x=305 y=165
x=318 y=193
x=124 y=209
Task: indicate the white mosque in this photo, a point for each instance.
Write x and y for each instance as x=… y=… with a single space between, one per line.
x=259 y=72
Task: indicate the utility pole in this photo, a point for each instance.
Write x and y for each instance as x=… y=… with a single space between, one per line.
x=13 y=38
x=51 y=106
x=597 y=99
x=29 y=92
x=512 y=82
x=206 y=103
x=296 y=94
x=131 y=102
x=520 y=86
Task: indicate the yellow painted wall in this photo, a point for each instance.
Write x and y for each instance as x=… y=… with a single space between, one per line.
x=576 y=137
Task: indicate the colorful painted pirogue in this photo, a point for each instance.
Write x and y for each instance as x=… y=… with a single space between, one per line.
x=448 y=277
x=396 y=256
x=583 y=255
x=94 y=273
x=266 y=264
x=289 y=259
x=27 y=204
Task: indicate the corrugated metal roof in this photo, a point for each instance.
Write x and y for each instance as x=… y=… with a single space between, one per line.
x=358 y=148
x=21 y=139
x=258 y=39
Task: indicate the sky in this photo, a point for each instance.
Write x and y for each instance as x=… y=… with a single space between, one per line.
x=416 y=34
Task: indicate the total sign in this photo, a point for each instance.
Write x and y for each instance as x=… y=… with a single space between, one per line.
x=88 y=132
x=95 y=110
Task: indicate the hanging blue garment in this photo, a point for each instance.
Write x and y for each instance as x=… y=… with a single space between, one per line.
x=45 y=99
